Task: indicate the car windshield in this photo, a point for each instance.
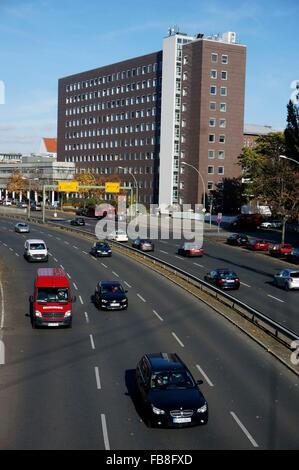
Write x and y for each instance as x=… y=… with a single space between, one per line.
x=295 y=275
x=52 y=294
x=101 y=245
x=191 y=246
x=112 y=289
x=37 y=246
x=172 y=379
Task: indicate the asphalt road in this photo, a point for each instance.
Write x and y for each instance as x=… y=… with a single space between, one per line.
x=74 y=389
x=256 y=272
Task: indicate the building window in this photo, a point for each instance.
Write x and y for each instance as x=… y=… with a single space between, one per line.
x=210 y=185
x=214 y=57
x=212 y=122
x=223 y=75
x=210 y=170
x=211 y=154
x=213 y=90
x=212 y=138
x=222 y=139
x=221 y=154
x=223 y=91
x=213 y=74
x=224 y=59
x=223 y=107
x=213 y=106
x=220 y=170
x=222 y=123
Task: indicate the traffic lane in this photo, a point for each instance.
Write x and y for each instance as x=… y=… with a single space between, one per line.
x=124 y=273
x=259 y=293
x=121 y=338
x=46 y=387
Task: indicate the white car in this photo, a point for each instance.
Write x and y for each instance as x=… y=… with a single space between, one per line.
x=21 y=227
x=35 y=250
x=287 y=279
x=118 y=236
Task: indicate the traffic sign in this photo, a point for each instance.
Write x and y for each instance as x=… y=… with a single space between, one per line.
x=68 y=186
x=112 y=187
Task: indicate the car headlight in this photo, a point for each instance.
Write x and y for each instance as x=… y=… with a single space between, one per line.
x=203 y=409
x=124 y=300
x=157 y=411
x=104 y=301
x=68 y=314
x=38 y=314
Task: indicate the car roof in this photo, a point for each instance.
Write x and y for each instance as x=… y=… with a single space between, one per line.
x=165 y=361
x=35 y=240
x=109 y=283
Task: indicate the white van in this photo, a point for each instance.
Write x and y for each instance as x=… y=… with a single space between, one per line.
x=35 y=250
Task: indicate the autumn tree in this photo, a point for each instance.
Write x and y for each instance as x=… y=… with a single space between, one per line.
x=292 y=132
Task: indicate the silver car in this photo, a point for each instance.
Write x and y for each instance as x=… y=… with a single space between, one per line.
x=287 y=278
x=21 y=227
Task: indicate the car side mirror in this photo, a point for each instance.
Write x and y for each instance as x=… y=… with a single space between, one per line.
x=199 y=382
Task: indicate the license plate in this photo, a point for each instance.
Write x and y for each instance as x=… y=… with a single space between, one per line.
x=181 y=420
x=230 y=282
x=115 y=305
x=53 y=324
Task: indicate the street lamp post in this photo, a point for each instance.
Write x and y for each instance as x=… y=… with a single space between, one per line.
x=136 y=186
x=202 y=180
x=287 y=158
x=29 y=189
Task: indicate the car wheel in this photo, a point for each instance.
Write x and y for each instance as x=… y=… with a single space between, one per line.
x=286 y=287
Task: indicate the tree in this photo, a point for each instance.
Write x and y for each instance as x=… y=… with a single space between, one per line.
x=228 y=196
x=272 y=180
x=292 y=132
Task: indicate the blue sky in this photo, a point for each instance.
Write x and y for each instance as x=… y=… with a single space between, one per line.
x=43 y=40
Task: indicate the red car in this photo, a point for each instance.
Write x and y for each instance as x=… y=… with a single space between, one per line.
x=281 y=249
x=190 y=249
x=258 y=245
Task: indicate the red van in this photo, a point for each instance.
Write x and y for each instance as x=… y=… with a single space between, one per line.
x=51 y=303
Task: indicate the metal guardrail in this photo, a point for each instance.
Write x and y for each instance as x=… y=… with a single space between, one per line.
x=273 y=328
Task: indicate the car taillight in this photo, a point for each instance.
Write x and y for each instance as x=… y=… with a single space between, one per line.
x=237 y=279
x=221 y=280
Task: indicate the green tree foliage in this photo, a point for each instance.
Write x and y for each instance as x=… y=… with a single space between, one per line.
x=292 y=132
x=228 y=197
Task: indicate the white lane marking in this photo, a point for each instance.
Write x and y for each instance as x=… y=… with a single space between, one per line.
x=205 y=376
x=86 y=317
x=157 y=315
x=85 y=252
x=105 y=432
x=141 y=298
x=275 y=298
x=50 y=254
x=81 y=300
x=17 y=254
x=128 y=285
x=115 y=274
x=246 y=432
x=62 y=267
x=199 y=265
x=57 y=238
x=162 y=241
x=68 y=276
x=165 y=252
x=11 y=249
x=76 y=248
x=75 y=285
x=92 y=342
x=98 y=380
x=10 y=230
x=178 y=340
x=49 y=235
x=56 y=260
x=5 y=244
x=104 y=265
x=67 y=243
x=2 y=306
x=179 y=257
x=243 y=284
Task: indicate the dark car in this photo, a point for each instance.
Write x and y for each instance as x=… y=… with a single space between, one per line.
x=110 y=295
x=78 y=221
x=293 y=257
x=168 y=393
x=143 y=244
x=190 y=249
x=223 y=279
x=101 y=249
x=237 y=239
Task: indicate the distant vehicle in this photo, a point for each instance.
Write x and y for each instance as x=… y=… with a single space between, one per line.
x=36 y=206
x=81 y=211
x=287 y=278
x=78 y=221
x=258 y=245
x=169 y=395
x=223 y=279
x=51 y=303
x=104 y=210
x=22 y=205
x=110 y=295
x=190 y=249
x=143 y=244
x=35 y=250
x=280 y=249
x=247 y=221
x=271 y=224
x=293 y=257
x=101 y=249
x=237 y=239
x=118 y=236
x=7 y=203
x=21 y=227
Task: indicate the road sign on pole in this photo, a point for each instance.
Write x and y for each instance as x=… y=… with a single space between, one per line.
x=112 y=188
x=68 y=186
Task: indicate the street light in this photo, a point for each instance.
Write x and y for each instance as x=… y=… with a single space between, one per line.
x=29 y=189
x=287 y=158
x=136 y=185
x=203 y=183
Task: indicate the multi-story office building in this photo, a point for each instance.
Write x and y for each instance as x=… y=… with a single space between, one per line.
x=154 y=116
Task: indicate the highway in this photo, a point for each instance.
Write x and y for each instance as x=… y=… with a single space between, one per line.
x=256 y=272
x=75 y=389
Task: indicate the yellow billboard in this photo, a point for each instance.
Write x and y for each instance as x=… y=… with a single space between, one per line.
x=112 y=187
x=68 y=186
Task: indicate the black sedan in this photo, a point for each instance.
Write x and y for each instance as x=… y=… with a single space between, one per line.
x=101 y=249
x=237 y=239
x=223 y=279
x=110 y=295
x=143 y=244
x=168 y=393
x=78 y=221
